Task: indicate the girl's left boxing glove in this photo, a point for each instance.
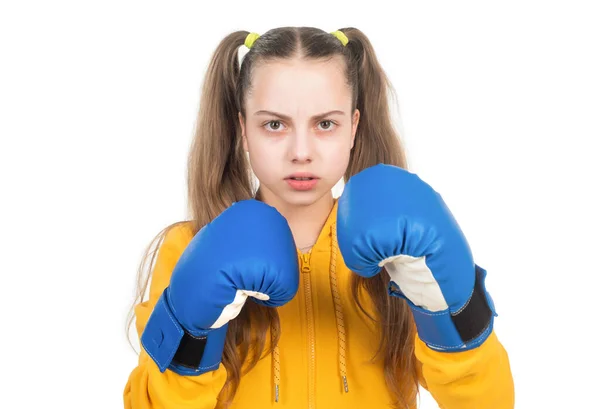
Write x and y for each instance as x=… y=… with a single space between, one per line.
x=388 y=217
x=247 y=251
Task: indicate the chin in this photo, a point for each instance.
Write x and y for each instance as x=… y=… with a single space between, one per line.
x=305 y=198
x=298 y=198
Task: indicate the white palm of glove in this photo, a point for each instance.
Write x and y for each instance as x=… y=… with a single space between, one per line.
x=416 y=281
x=233 y=309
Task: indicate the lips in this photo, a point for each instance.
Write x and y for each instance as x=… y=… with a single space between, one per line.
x=302 y=181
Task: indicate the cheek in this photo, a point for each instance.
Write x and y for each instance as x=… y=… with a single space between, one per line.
x=261 y=158
x=256 y=148
x=338 y=156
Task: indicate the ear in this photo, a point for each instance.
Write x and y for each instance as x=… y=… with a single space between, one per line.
x=355 y=120
x=243 y=127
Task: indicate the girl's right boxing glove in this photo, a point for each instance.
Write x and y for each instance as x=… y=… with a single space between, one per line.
x=248 y=250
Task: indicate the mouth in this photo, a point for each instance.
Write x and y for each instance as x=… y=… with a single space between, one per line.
x=301 y=176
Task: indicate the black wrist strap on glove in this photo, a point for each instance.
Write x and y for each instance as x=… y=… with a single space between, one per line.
x=474 y=318
x=171 y=346
x=190 y=351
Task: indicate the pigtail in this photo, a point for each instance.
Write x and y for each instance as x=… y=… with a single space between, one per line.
x=218 y=172
x=376 y=138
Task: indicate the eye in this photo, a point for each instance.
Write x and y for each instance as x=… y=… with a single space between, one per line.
x=274 y=125
x=327 y=125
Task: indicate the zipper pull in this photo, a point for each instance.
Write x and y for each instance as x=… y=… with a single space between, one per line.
x=306 y=262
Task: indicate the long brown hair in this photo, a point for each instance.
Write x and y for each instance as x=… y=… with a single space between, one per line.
x=218 y=175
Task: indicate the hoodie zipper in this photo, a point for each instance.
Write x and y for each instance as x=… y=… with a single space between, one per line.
x=310 y=328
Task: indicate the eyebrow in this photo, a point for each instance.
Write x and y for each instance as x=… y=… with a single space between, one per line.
x=287 y=118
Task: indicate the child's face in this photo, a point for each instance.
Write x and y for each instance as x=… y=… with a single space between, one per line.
x=291 y=138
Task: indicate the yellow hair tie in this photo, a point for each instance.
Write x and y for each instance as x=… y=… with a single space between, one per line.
x=250 y=39
x=340 y=36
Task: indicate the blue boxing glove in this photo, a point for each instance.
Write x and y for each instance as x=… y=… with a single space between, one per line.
x=388 y=217
x=248 y=250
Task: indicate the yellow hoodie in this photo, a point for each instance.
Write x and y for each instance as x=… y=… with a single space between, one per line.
x=326 y=344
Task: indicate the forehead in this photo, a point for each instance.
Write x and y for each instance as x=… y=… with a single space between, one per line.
x=296 y=86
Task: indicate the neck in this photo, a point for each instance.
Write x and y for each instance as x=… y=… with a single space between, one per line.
x=306 y=222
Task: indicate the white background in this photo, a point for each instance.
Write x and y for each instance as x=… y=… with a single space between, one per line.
x=499 y=107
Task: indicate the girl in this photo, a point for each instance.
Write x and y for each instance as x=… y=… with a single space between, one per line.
x=304 y=109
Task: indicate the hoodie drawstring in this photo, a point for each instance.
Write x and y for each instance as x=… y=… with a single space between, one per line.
x=276 y=369
x=339 y=312
x=339 y=319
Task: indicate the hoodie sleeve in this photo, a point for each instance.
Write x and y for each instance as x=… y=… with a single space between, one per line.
x=147 y=387
x=479 y=378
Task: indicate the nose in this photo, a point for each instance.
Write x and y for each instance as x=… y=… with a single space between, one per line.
x=301 y=147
